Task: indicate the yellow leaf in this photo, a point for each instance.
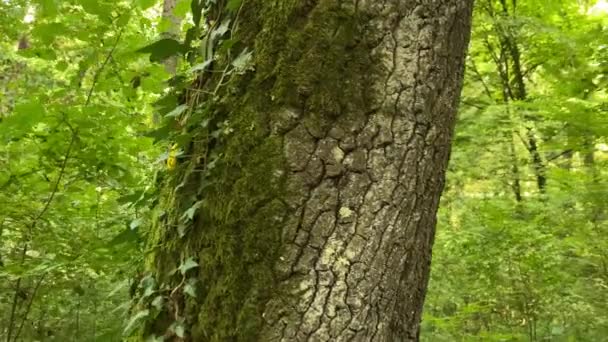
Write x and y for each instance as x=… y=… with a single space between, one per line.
x=172 y=158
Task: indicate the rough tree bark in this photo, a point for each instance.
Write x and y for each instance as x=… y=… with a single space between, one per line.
x=317 y=220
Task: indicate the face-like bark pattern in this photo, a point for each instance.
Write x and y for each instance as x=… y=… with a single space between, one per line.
x=364 y=193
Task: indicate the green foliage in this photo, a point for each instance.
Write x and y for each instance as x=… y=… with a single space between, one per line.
x=75 y=173
x=532 y=269
x=163 y=49
x=91 y=124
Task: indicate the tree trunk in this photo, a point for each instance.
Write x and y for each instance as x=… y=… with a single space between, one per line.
x=313 y=218
x=172 y=32
x=514 y=86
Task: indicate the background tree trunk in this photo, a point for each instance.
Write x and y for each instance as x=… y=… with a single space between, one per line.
x=317 y=220
x=172 y=32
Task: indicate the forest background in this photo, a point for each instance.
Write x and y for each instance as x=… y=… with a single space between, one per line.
x=521 y=252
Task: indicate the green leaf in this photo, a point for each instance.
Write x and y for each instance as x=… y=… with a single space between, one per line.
x=233 y=5
x=136 y=321
x=201 y=66
x=47 y=32
x=145 y=4
x=162 y=49
x=177 y=111
x=154 y=338
x=119 y=287
x=48 y=8
x=189 y=214
x=24 y=117
x=149 y=290
x=181 y=8
x=61 y=65
x=196 y=7
x=28 y=114
x=157 y=302
x=159 y=134
x=190 y=287
x=148 y=282
x=187 y=265
x=42 y=52
x=243 y=61
x=181 y=229
x=135 y=223
x=95 y=7
x=124 y=19
x=126 y=236
x=179 y=329
x=221 y=30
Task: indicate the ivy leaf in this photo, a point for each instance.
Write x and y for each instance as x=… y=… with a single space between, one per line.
x=179 y=329
x=149 y=286
x=147 y=281
x=191 y=211
x=221 y=30
x=177 y=111
x=162 y=49
x=157 y=302
x=243 y=61
x=190 y=288
x=187 y=265
x=201 y=66
x=181 y=230
x=154 y=338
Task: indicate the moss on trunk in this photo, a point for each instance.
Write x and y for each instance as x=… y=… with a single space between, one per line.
x=311 y=58
x=267 y=203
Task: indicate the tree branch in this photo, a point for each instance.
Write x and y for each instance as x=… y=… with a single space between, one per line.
x=103 y=65
x=29 y=306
